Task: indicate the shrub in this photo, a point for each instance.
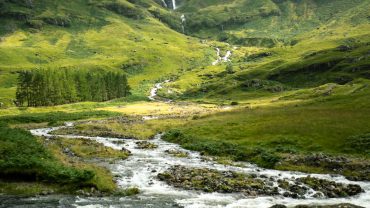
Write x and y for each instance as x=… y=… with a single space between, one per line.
x=358 y=143
x=53 y=19
x=268 y=159
x=36 y=24
x=195 y=117
x=142 y=3
x=34 y=162
x=258 y=84
x=128 y=192
x=230 y=69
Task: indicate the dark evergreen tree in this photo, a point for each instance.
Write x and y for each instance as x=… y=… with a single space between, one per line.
x=47 y=87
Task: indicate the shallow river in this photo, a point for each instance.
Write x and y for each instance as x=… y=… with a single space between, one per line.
x=141 y=168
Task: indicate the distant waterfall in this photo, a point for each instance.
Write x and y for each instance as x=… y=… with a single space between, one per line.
x=164 y=3
x=183 y=22
x=171 y=4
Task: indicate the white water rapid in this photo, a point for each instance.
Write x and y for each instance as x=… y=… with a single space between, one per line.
x=164 y=3
x=154 y=90
x=173 y=4
x=220 y=59
x=183 y=21
x=141 y=168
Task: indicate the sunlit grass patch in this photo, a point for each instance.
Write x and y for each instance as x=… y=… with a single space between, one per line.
x=162 y=108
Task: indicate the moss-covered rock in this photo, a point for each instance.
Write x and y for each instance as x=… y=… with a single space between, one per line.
x=177 y=153
x=352 y=168
x=345 y=205
x=145 y=145
x=331 y=189
x=209 y=180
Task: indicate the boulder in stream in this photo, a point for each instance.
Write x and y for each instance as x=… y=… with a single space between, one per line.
x=145 y=145
x=210 y=180
x=331 y=189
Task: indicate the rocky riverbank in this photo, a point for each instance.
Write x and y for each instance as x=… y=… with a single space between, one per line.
x=352 y=168
x=210 y=180
x=188 y=178
x=345 y=205
x=215 y=181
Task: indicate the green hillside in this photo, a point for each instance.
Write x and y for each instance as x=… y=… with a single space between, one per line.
x=135 y=36
x=274 y=82
x=280 y=45
x=270 y=23
x=93 y=34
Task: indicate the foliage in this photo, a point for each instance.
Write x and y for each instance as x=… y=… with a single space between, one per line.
x=358 y=143
x=54 y=87
x=128 y=192
x=34 y=162
x=230 y=69
x=269 y=23
x=223 y=148
x=171 y=19
x=124 y=8
x=96 y=37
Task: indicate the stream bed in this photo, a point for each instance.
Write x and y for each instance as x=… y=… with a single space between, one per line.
x=141 y=170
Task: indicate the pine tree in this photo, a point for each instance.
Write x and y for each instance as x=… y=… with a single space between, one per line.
x=46 y=87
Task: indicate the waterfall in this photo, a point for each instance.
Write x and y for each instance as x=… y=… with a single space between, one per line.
x=220 y=59
x=164 y=3
x=183 y=21
x=174 y=4
x=183 y=18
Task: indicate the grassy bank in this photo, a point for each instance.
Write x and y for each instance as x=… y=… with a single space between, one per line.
x=269 y=134
x=52 y=166
x=329 y=121
x=54 y=118
x=34 y=162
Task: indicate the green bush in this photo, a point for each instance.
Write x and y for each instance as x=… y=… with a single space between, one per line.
x=171 y=19
x=22 y=158
x=258 y=84
x=51 y=18
x=142 y=3
x=358 y=143
x=267 y=159
x=36 y=24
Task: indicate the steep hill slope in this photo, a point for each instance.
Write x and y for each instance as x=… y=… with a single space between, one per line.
x=270 y=22
x=284 y=44
x=113 y=35
x=276 y=46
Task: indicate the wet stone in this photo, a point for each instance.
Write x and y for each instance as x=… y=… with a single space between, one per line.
x=119 y=142
x=68 y=152
x=331 y=189
x=177 y=153
x=278 y=206
x=345 y=205
x=145 y=145
x=125 y=151
x=210 y=180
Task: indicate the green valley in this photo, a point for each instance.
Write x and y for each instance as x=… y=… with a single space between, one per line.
x=184 y=103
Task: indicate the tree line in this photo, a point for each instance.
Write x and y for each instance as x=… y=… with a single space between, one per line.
x=48 y=87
